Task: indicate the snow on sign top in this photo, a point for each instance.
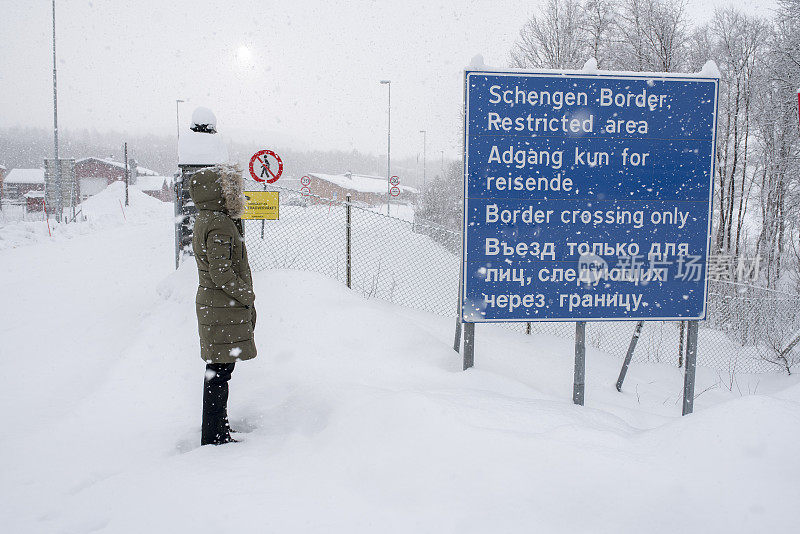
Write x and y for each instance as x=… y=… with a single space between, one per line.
x=709 y=70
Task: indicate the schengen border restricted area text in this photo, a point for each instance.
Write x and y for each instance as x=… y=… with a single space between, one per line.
x=586 y=197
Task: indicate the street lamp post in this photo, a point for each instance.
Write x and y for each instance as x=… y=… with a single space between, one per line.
x=424 y=144
x=178 y=121
x=388 y=148
x=60 y=201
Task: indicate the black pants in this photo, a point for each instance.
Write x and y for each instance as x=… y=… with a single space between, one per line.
x=215 y=428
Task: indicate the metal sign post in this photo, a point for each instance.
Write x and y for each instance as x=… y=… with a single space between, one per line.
x=469 y=345
x=691 y=365
x=587 y=197
x=59 y=186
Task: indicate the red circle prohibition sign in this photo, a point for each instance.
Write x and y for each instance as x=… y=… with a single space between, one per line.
x=264 y=166
x=305 y=180
x=394 y=180
x=394 y=191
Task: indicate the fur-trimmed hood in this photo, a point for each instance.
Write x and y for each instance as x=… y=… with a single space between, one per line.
x=219 y=188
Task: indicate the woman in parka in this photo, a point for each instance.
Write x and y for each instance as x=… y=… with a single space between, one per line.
x=226 y=316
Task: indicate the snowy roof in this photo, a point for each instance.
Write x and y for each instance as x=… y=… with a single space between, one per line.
x=108 y=161
x=25 y=176
x=34 y=194
x=198 y=148
x=360 y=182
x=152 y=183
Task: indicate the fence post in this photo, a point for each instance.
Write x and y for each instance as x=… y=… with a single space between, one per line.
x=178 y=222
x=469 y=345
x=457 y=340
x=680 y=343
x=580 y=363
x=459 y=305
x=347 y=254
x=631 y=347
x=691 y=364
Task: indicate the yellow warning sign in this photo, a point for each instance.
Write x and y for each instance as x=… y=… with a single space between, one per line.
x=261 y=205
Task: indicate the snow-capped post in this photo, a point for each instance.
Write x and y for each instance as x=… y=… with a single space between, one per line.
x=348 y=249
x=587 y=196
x=198 y=148
x=579 y=378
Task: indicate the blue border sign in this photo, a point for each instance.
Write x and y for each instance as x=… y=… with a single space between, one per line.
x=587 y=197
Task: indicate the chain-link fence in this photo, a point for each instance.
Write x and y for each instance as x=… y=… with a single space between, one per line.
x=17 y=210
x=416 y=264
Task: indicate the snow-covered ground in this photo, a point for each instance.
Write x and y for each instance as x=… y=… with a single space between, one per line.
x=356 y=414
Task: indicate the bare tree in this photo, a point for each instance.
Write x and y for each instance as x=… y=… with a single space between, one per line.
x=736 y=42
x=651 y=35
x=554 y=39
x=778 y=137
x=597 y=26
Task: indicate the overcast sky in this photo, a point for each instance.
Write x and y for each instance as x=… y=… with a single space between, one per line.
x=300 y=72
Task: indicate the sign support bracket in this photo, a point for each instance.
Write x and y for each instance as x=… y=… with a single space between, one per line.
x=579 y=380
x=637 y=331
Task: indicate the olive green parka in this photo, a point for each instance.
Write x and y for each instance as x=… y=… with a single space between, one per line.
x=226 y=315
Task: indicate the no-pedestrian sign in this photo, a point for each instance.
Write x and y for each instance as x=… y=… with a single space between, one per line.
x=266 y=166
x=587 y=196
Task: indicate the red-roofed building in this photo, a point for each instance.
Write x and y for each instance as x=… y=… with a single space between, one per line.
x=95 y=174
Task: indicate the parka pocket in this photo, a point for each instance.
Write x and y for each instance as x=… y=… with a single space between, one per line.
x=221 y=248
